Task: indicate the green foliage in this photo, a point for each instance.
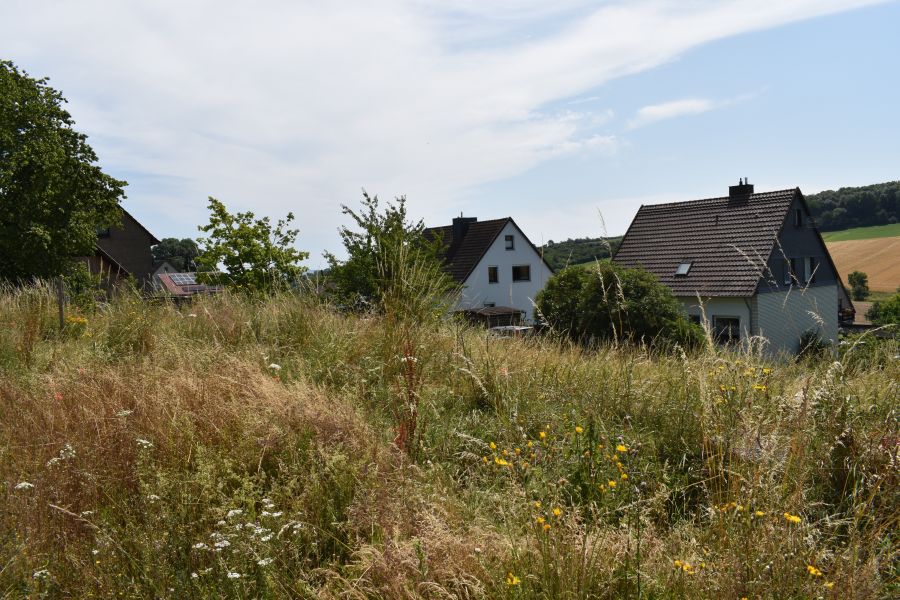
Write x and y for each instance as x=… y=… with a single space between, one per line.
x=578 y=251
x=886 y=312
x=83 y=289
x=255 y=255
x=53 y=196
x=608 y=302
x=863 y=233
x=848 y=207
x=383 y=248
x=181 y=254
x=859 y=285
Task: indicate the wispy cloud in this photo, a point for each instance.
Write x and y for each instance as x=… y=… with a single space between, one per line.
x=670 y=110
x=278 y=105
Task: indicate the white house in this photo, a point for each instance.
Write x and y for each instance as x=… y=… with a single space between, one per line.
x=495 y=263
x=750 y=264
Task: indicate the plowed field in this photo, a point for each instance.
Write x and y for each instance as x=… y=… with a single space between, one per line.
x=878 y=258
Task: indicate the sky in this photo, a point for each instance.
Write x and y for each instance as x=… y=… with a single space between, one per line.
x=565 y=115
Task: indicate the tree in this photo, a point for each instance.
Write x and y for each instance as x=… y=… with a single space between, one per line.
x=607 y=302
x=181 y=254
x=53 y=196
x=886 y=312
x=255 y=255
x=859 y=285
x=384 y=245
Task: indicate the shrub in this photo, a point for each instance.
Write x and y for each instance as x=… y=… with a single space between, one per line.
x=859 y=285
x=886 y=312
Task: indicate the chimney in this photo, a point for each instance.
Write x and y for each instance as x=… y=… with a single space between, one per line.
x=461 y=226
x=741 y=189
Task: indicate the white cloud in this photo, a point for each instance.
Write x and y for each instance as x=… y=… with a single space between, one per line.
x=670 y=110
x=278 y=105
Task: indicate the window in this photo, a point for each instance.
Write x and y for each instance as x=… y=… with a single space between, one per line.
x=521 y=273
x=809 y=269
x=798 y=217
x=695 y=319
x=683 y=269
x=510 y=243
x=727 y=330
x=493 y=275
x=490 y=304
x=790 y=271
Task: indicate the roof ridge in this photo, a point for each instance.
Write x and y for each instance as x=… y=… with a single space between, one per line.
x=699 y=200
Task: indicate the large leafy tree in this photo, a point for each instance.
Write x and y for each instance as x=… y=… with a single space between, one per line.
x=181 y=254
x=251 y=254
x=53 y=195
x=608 y=302
x=383 y=248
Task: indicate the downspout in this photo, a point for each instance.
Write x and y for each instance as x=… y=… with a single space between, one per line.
x=750 y=315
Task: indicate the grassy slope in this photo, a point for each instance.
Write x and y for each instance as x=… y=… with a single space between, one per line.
x=243 y=449
x=863 y=233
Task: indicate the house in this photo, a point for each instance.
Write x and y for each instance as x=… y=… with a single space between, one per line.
x=750 y=264
x=123 y=251
x=182 y=285
x=495 y=264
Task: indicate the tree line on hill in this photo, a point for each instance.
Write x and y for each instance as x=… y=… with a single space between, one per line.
x=579 y=251
x=863 y=206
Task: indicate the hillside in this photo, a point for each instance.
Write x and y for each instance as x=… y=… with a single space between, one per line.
x=578 y=251
x=248 y=448
x=862 y=233
x=848 y=207
x=876 y=257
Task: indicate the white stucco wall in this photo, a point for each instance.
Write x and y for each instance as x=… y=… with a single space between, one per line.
x=784 y=316
x=722 y=307
x=519 y=294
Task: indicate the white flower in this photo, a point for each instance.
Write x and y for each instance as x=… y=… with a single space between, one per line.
x=24 y=485
x=200 y=546
x=194 y=576
x=268 y=503
x=275 y=367
x=124 y=413
x=411 y=359
x=222 y=544
x=233 y=575
x=220 y=523
x=152 y=497
x=263 y=562
x=266 y=513
x=266 y=537
x=145 y=444
x=234 y=513
x=42 y=574
x=86 y=513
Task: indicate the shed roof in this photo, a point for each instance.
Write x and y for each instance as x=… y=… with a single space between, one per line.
x=727 y=242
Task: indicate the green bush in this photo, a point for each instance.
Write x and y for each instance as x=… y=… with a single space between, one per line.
x=887 y=312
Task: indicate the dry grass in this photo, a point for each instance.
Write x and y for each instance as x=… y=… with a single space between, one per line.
x=244 y=448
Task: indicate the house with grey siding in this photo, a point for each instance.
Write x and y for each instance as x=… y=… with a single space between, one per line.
x=123 y=251
x=749 y=265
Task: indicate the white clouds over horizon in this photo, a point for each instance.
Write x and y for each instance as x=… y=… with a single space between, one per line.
x=280 y=105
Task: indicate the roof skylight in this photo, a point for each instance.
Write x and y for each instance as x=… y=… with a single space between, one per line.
x=683 y=269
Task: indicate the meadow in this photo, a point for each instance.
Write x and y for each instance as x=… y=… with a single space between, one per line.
x=274 y=447
x=862 y=233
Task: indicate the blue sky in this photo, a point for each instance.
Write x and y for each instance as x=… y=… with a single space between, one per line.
x=567 y=118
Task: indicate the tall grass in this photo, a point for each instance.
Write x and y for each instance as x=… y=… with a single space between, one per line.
x=242 y=447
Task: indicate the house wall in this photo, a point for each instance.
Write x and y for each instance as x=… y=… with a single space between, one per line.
x=785 y=316
x=130 y=246
x=723 y=307
x=519 y=294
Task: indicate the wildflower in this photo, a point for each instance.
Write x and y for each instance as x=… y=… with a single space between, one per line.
x=791 y=518
x=505 y=452
x=540 y=520
x=145 y=444
x=493 y=446
x=124 y=413
x=518 y=451
x=152 y=497
x=409 y=359
x=512 y=579
x=530 y=444
x=813 y=571
x=828 y=584
x=677 y=563
x=24 y=485
x=537 y=503
x=264 y=562
x=275 y=367
x=500 y=461
x=233 y=575
x=194 y=576
x=621 y=448
x=624 y=476
x=611 y=483
x=578 y=429
x=235 y=512
x=760 y=388
x=760 y=513
x=546 y=526
x=484 y=459
x=42 y=574
x=766 y=371
x=557 y=511
x=543 y=434
x=200 y=546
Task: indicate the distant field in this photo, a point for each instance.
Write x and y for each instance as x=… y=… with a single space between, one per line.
x=863 y=233
x=876 y=257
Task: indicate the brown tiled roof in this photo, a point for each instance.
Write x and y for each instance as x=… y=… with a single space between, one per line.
x=728 y=242
x=463 y=255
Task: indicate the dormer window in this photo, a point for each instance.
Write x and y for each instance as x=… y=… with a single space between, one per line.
x=683 y=269
x=510 y=243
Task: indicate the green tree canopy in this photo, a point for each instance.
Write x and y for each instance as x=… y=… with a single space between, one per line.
x=53 y=196
x=606 y=302
x=248 y=253
x=181 y=254
x=886 y=312
x=859 y=285
x=384 y=244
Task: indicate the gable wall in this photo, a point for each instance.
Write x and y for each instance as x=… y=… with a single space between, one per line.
x=797 y=242
x=784 y=316
x=130 y=246
x=520 y=294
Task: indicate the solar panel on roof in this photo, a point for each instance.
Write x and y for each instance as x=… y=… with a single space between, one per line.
x=183 y=278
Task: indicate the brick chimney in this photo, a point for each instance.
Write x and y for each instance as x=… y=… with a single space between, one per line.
x=461 y=226
x=741 y=189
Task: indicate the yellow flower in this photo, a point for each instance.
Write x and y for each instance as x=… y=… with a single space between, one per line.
x=543 y=434
x=828 y=584
x=557 y=512
x=506 y=453
x=766 y=371
x=537 y=503
x=540 y=520
x=578 y=429
x=500 y=461
x=621 y=448
x=512 y=579
x=760 y=513
x=518 y=451
x=530 y=443
x=611 y=483
x=813 y=571
x=546 y=526
x=624 y=476
x=677 y=563
x=484 y=459
x=761 y=388
x=493 y=446
x=791 y=518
